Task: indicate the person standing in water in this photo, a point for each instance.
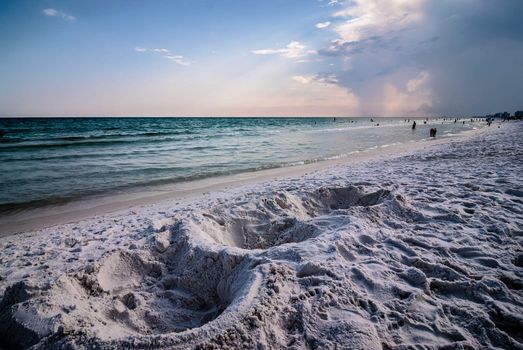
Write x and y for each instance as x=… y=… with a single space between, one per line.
x=414 y=125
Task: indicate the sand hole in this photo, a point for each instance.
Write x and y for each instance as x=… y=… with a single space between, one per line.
x=346 y=197
x=186 y=288
x=282 y=218
x=273 y=233
x=260 y=232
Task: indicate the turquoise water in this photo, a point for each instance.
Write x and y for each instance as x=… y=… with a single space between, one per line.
x=55 y=160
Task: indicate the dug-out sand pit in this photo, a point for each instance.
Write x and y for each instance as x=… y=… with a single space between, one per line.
x=129 y=294
x=282 y=218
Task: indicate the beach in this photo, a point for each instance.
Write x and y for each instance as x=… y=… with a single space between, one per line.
x=407 y=246
x=52 y=162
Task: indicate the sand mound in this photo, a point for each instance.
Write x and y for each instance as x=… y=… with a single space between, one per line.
x=123 y=270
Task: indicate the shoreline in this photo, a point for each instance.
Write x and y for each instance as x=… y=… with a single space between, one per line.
x=52 y=215
x=388 y=252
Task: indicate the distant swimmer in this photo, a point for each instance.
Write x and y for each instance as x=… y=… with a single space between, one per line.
x=433 y=132
x=414 y=125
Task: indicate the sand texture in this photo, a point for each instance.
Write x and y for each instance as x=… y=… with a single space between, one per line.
x=422 y=251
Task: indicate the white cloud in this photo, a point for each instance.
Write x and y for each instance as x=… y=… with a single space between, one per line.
x=55 y=13
x=375 y=47
x=322 y=25
x=333 y=2
x=51 y=12
x=415 y=98
x=316 y=78
x=302 y=79
x=179 y=59
x=368 y=18
x=418 y=83
x=294 y=49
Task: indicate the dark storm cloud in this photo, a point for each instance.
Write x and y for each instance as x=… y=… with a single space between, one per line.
x=472 y=50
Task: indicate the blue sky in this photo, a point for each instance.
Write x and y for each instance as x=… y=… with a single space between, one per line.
x=271 y=57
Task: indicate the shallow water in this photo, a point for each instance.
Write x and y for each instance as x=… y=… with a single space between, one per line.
x=55 y=160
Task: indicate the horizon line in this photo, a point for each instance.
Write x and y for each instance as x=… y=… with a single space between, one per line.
x=225 y=116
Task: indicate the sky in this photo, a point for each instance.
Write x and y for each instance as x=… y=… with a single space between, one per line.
x=398 y=58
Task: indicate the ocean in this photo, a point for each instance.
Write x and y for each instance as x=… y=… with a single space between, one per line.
x=47 y=161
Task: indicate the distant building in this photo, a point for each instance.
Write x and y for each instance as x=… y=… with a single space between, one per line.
x=504 y=115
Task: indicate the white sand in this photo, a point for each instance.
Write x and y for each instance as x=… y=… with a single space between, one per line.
x=421 y=251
